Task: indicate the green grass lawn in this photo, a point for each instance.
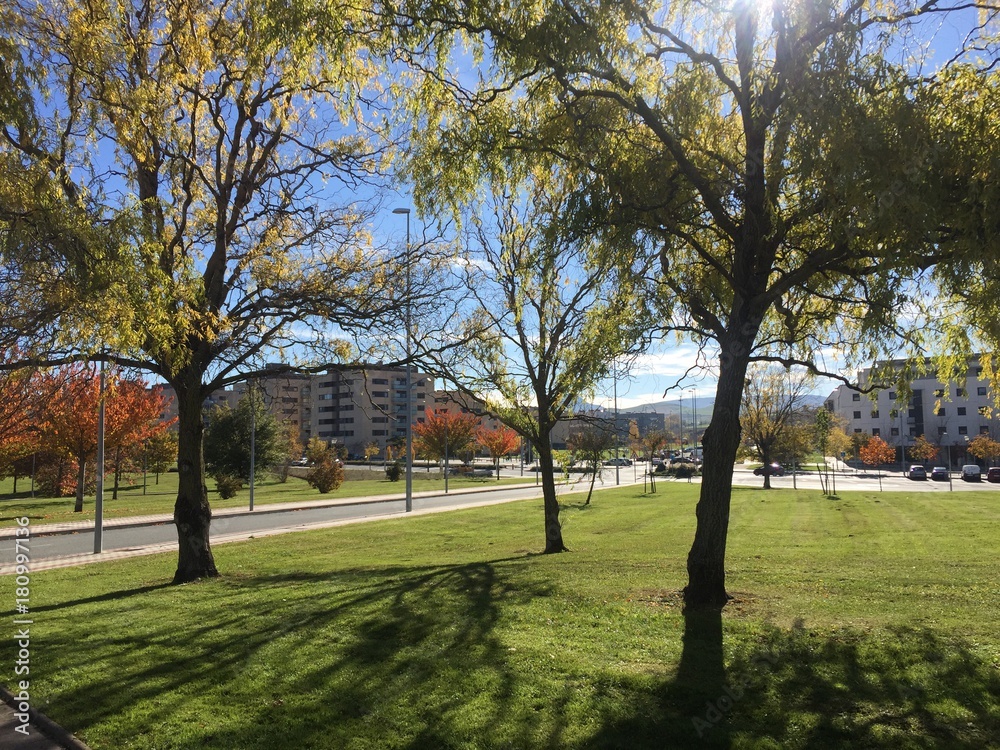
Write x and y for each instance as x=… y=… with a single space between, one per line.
x=864 y=622
x=159 y=498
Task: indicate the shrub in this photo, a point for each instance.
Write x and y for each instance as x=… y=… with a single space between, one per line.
x=393 y=472
x=683 y=471
x=326 y=476
x=228 y=486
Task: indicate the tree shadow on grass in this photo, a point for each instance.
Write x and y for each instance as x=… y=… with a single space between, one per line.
x=901 y=688
x=399 y=656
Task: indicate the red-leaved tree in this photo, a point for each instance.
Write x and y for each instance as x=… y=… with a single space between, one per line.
x=445 y=433
x=875 y=453
x=70 y=427
x=499 y=442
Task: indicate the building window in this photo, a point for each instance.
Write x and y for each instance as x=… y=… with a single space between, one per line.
x=938 y=393
x=857 y=415
x=894 y=432
x=913 y=432
x=855 y=397
x=942 y=431
x=327 y=408
x=346 y=420
x=984 y=429
x=981 y=390
x=380 y=420
x=961 y=392
x=984 y=411
x=961 y=411
x=378 y=433
x=327 y=421
x=380 y=394
x=893 y=414
x=876 y=432
x=940 y=412
x=892 y=395
x=380 y=381
x=325 y=396
x=963 y=430
x=979 y=372
x=857 y=429
x=874 y=413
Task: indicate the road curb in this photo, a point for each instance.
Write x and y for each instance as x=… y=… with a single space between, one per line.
x=73 y=527
x=45 y=725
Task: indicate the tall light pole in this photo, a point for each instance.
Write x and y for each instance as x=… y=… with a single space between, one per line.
x=614 y=371
x=409 y=389
x=694 y=422
x=99 y=500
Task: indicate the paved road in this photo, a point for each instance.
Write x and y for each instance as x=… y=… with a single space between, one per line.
x=124 y=537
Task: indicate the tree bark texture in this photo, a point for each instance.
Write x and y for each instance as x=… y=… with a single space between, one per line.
x=553 y=531
x=706 y=562
x=192 y=514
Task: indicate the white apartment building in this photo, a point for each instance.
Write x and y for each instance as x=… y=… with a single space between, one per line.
x=946 y=414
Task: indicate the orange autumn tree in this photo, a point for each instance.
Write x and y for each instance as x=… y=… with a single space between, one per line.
x=875 y=453
x=444 y=433
x=132 y=415
x=21 y=400
x=499 y=442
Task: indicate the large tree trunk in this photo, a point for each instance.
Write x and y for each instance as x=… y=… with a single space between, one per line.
x=192 y=514
x=553 y=531
x=706 y=562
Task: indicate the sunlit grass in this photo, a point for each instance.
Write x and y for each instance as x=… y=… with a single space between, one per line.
x=863 y=622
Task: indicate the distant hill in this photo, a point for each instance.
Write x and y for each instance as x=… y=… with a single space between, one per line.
x=703 y=405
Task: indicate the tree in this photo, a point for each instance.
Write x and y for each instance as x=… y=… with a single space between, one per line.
x=551 y=317
x=372 y=449
x=228 y=440
x=654 y=442
x=773 y=159
x=876 y=452
x=499 y=441
x=445 y=433
x=590 y=444
x=220 y=156
x=160 y=451
x=923 y=450
x=771 y=399
x=327 y=474
x=983 y=447
x=132 y=413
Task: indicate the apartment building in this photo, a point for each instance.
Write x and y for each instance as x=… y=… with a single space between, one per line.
x=947 y=414
x=356 y=408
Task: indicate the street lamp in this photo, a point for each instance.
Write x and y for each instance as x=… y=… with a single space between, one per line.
x=409 y=390
x=99 y=500
x=614 y=374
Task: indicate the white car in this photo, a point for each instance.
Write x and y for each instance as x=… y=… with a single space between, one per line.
x=971 y=473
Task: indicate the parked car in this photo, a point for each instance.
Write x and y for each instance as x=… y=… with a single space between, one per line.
x=971 y=473
x=939 y=474
x=774 y=470
x=618 y=462
x=917 y=472
x=993 y=474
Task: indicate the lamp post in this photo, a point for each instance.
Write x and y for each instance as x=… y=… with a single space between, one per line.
x=253 y=441
x=409 y=390
x=694 y=421
x=614 y=371
x=99 y=501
